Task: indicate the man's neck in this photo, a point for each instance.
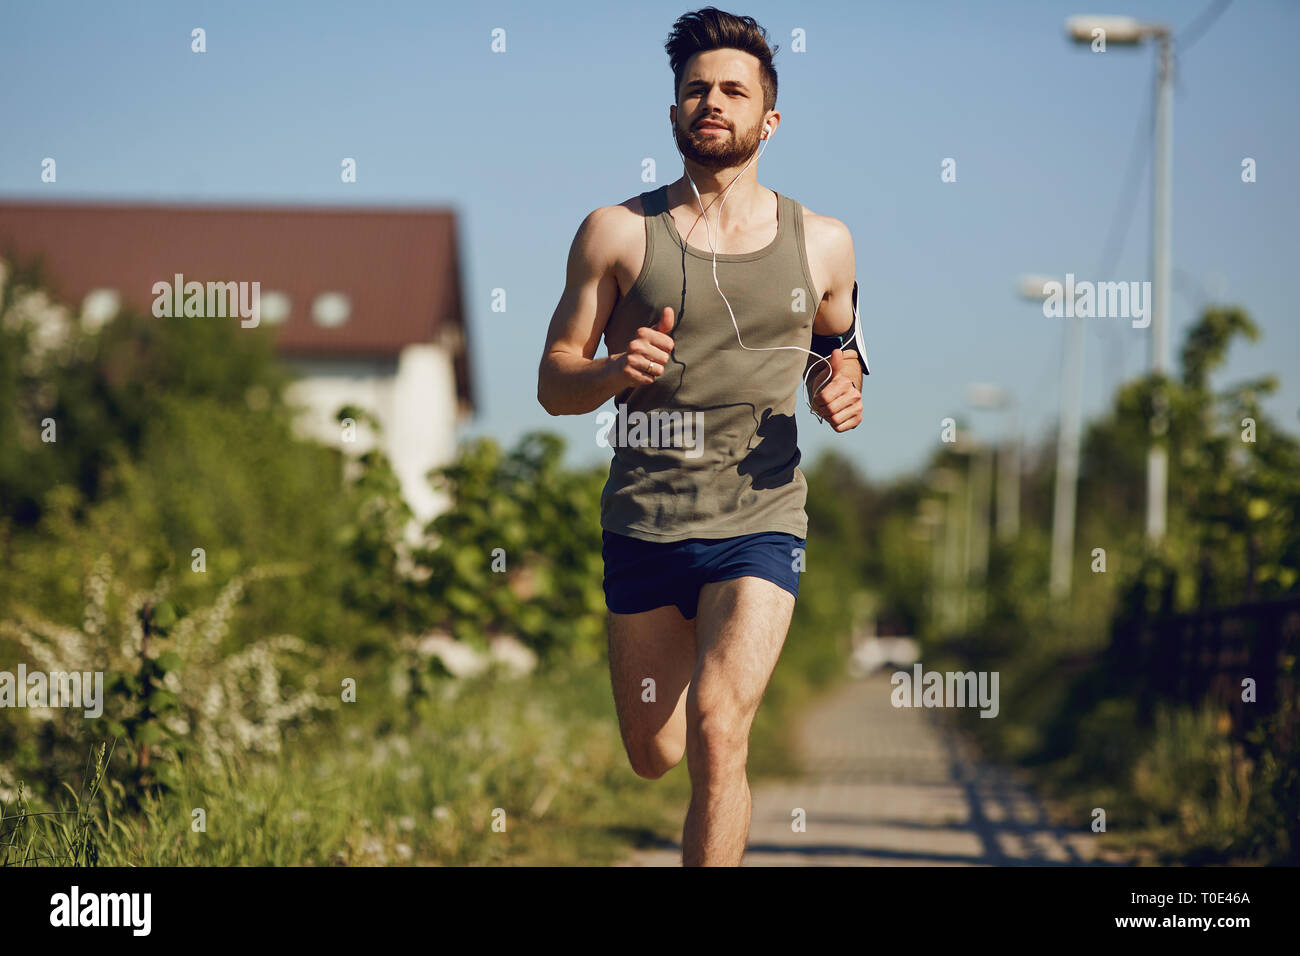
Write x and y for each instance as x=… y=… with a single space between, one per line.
x=743 y=197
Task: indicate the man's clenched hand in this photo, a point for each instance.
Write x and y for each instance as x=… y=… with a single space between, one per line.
x=839 y=401
x=647 y=354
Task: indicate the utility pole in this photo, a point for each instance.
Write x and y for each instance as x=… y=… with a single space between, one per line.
x=1067 y=443
x=1157 y=457
x=950 y=559
x=986 y=395
x=932 y=520
x=1067 y=461
x=943 y=481
x=1009 y=479
x=1126 y=31
x=981 y=487
x=968 y=487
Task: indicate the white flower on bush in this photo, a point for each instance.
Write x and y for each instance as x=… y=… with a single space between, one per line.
x=231 y=704
x=49 y=324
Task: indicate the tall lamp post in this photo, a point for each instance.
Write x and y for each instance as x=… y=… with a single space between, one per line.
x=1067 y=443
x=930 y=517
x=976 y=484
x=1126 y=31
x=944 y=481
x=978 y=487
x=982 y=395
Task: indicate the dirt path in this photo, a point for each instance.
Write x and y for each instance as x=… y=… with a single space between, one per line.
x=896 y=786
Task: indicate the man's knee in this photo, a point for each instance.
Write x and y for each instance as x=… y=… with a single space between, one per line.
x=652 y=761
x=718 y=736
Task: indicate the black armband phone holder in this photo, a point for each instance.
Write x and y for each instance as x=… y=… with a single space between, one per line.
x=824 y=345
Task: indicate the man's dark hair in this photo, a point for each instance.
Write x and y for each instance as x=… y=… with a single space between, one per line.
x=713 y=29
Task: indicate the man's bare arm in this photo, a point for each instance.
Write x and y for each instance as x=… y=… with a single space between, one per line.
x=840 y=400
x=835 y=246
x=570 y=379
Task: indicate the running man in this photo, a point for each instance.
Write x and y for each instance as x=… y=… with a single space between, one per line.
x=703 y=513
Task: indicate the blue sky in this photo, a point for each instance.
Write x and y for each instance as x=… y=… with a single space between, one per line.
x=524 y=144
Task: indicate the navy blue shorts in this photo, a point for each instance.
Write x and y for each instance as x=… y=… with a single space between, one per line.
x=643 y=575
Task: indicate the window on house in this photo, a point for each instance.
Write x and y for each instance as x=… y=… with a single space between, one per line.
x=99 y=306
x=275 y=307
x=331 y=309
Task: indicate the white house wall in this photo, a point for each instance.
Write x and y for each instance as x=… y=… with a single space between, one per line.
x=422 y=430
x=412 y=396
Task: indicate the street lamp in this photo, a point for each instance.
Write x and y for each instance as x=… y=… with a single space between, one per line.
x=1067 y=443
x=944 y=481
x=930 y=517
x=1126 y=31
x=976 y=485
x=991 y=396
x=1123 y=31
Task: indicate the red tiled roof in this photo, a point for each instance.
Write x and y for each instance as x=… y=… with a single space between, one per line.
x=399 y=266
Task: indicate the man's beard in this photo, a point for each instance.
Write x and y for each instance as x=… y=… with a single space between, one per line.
x=716 y=152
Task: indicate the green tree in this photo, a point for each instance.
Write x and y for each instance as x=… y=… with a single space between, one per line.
x=519 y=550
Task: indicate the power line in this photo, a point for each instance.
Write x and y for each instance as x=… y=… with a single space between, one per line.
x=1117 y=234
x=1139 y=158
x=1185 y=40
x=1139 y=163
x=1050 y=370
x=1140 y=152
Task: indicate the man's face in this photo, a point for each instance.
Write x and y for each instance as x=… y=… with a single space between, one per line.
x=720 y=111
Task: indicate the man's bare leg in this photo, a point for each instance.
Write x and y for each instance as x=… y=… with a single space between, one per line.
x=740 y=630
x=660 y=645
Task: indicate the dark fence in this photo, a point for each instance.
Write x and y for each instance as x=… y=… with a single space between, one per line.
x=1204 y=657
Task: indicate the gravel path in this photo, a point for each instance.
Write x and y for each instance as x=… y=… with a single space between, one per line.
x=896 y=787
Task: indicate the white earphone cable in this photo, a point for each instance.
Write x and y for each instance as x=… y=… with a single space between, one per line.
x=735 y=324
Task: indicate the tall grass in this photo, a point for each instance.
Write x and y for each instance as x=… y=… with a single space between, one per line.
x=493 y=770
x=68 y=836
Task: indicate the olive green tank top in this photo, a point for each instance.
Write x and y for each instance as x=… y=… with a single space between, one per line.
x=710 y=450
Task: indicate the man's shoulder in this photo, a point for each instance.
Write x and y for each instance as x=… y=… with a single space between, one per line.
x=823 y=230
x=630 y=212
x=829 y=245
x=609 y=233
x=615 y=227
